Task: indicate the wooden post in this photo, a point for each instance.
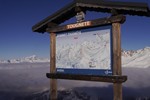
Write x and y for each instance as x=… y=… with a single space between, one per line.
x=116 y=33
x=53 y=82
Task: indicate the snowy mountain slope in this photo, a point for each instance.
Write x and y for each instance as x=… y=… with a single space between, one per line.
x=30 y=59
x=139 y=58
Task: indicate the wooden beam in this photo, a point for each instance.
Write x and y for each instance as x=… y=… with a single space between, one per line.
x=116 y=32
x=93 y=23
x=109 y=79
x=53 y=82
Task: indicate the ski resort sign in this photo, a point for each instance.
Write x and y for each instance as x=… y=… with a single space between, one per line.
x=77 y=25
x=87 y=48
x=84 y=51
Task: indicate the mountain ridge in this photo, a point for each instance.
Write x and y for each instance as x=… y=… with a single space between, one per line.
x=28 y=59
x=130 y=58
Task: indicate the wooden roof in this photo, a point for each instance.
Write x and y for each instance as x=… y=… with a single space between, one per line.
x=69 y=11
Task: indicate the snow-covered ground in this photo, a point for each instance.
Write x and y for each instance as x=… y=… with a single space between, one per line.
x=138 y=58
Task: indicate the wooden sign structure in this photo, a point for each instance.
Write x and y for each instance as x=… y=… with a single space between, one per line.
x=116 y=78
x=51 y=25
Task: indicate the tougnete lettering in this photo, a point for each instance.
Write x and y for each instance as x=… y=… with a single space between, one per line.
x=77 y=25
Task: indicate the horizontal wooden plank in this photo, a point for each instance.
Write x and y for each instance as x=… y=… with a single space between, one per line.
x=109 y=79
x=86 y=24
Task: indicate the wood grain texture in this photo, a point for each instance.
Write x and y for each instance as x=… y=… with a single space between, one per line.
x=97 y=22
x=53 y=82
x=117 y=70
x=109 y=79
x=116 y=32
x=105 y=6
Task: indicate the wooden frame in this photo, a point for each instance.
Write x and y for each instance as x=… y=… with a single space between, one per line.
x=109 y=79
x=93 y=23
x=93 y=65
x=117 y=79
x=53 y=82
x=117 y=70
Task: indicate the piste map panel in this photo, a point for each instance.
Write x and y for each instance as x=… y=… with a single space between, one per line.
x=84 y=51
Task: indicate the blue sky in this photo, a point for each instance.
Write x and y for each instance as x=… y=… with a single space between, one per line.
x=18 y=16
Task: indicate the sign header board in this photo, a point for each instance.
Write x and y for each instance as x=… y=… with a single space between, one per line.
x=78 y=25
x=84 y=51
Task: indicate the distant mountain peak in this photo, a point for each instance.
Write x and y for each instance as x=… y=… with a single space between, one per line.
x=29 y=59
x=136 y=58
x=130 y=58
x=33 y=57
x=147 y=48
